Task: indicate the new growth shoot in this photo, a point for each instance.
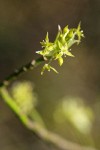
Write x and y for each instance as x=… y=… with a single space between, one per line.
x=60 y=47
x=56 y=50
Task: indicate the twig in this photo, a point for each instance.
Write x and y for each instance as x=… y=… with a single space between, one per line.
x=51 y=51
x=29 y=66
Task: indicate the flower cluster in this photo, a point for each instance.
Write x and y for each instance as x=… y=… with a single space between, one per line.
x=61 y=46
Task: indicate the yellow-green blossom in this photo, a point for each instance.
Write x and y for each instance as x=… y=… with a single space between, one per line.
x=61 y=46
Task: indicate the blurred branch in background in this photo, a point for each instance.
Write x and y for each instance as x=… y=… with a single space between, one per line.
x=76 y=112
x=22 y=100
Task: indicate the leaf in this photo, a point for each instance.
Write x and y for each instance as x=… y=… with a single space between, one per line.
x=60 y=61
x=54 y=69
x=69 y=54
x=48 y=68
x=44 y=68
x=66 y=30
x=59 y=44
x=79 y=32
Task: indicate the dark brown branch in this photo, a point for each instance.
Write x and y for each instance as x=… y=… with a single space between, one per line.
x=29 y=66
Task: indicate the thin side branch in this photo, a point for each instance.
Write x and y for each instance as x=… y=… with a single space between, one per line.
x=51 y=51
x=29 y=66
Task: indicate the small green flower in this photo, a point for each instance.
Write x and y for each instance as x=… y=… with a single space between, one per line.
x=48 y=67
x=61 y=46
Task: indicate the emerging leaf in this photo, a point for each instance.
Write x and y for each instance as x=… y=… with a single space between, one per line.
x=48 y=68
x=60 y=61
x=61 y=46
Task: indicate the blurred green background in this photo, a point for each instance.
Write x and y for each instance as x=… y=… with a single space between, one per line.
x=69 y=102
